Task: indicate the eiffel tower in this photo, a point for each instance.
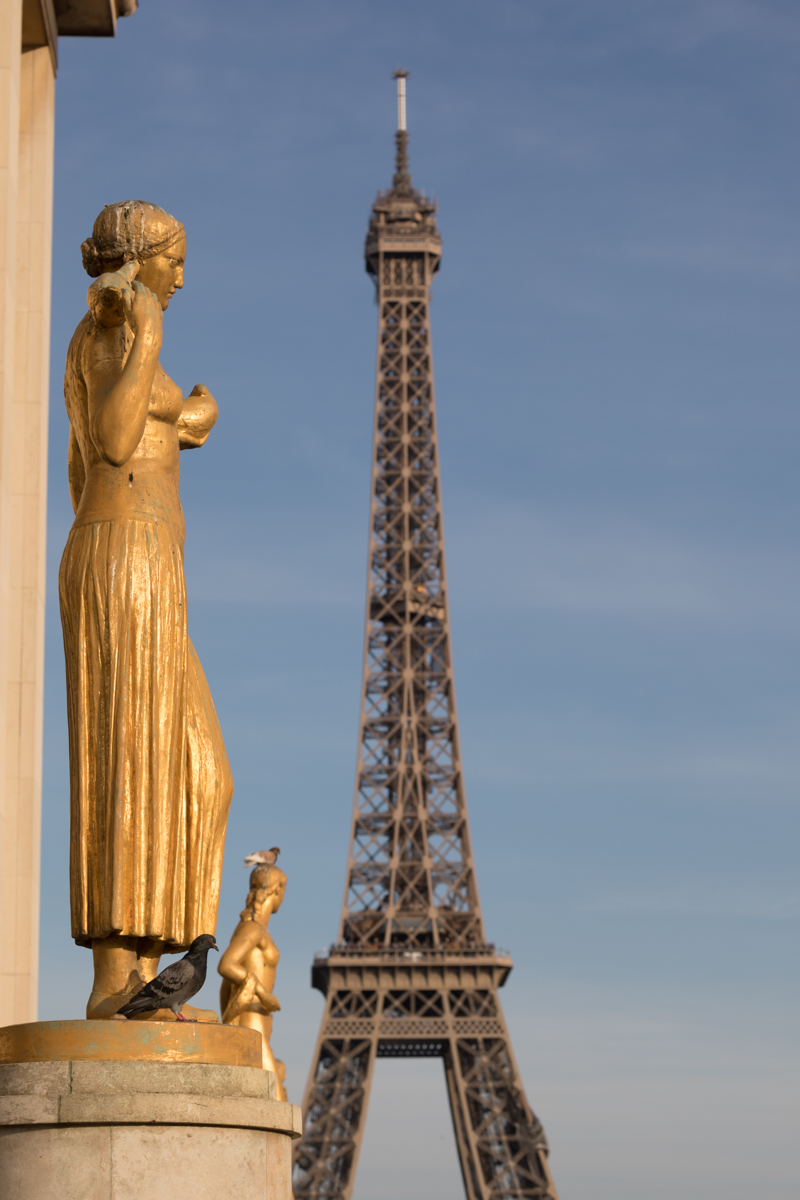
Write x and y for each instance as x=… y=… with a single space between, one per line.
x=411 y=974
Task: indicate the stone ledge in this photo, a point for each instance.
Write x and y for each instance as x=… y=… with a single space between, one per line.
x=144 y=1093
x=112 y=1078
x=271 y=1116
x=28 y=1110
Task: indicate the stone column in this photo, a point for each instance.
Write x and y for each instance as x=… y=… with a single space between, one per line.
x=26 y=499
x=10 y=73
x=27 y=90
x=124 y=1130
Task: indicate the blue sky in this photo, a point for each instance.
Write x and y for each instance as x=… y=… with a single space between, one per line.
x=617 y=362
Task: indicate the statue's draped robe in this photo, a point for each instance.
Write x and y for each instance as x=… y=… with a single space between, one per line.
x=150 y=784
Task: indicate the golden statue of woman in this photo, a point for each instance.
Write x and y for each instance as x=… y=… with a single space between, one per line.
x=249 y=965
x=150 y=784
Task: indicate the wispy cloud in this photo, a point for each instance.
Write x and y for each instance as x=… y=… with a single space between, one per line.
x=511 y=556
x=732 y=255
x=699 y=902
x=616 y=566
x=685 y=26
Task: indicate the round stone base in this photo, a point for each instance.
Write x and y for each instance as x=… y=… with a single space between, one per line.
x=130 y=1041
x=93 y=1130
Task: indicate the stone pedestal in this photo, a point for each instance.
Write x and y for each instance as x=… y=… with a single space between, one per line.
x=96 y=1129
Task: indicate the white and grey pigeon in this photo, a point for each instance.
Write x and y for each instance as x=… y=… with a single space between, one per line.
x=176 y=984
x=265 y=858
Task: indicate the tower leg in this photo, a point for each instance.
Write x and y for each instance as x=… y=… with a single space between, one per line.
x=335 y=1109
x=465 y=1139
x=501 y=1144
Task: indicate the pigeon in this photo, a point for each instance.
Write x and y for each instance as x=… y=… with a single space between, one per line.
x=265 y=858
x=176 y=984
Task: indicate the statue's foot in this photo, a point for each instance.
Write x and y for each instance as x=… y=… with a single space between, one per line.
x=103 y=1005
x=203 y=1016
x=104 y=1008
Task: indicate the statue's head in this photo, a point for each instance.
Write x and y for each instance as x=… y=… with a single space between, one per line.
x=266 y=884
x=135 y=231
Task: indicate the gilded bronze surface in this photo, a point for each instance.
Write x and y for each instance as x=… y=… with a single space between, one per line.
x=249 y=965
x=120 y=1041
x=150 y=784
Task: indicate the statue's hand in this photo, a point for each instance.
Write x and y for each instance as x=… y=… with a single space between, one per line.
x=269 y=1002
x=110 y=296
x=198 y=417
x=145 y=315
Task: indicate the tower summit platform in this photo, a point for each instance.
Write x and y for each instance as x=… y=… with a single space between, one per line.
x=403 y=221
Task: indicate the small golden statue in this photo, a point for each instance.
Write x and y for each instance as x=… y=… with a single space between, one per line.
x=150 y=784
x=249 y=965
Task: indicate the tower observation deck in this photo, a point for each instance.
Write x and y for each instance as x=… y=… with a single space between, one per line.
x=411 y=973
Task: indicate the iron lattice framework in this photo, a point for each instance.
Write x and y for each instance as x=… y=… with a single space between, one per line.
x=412 y=974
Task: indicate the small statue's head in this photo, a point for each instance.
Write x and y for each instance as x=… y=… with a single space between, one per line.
x=266 y=884
x=135 y=231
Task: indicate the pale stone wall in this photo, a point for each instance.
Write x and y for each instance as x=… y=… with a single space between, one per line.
x=94 y=1130
x=27 y=85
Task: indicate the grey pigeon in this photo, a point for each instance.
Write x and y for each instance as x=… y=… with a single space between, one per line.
x=265 y=858
x=176 y=984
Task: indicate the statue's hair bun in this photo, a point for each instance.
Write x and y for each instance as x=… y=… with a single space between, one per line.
x=92 y=262
x=130 y=230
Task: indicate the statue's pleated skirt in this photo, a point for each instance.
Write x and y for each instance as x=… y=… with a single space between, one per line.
x=150 y=784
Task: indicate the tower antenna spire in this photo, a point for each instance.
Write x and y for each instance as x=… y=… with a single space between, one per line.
x=401 y=77
x=402 y=176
